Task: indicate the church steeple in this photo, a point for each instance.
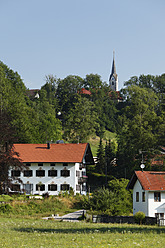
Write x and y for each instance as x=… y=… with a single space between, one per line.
x=113 y=79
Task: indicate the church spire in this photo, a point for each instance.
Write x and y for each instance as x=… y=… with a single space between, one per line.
x=113 y=79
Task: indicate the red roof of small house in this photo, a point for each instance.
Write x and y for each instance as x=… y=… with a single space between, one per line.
x=149 y=180
x=69 y=153
x=84 y=91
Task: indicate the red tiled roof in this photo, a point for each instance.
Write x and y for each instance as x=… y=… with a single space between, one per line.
x=149 y=180
x=84 y=91
x=69 y=153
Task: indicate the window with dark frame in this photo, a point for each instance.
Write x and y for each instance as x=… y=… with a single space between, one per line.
x=40 y=173
x=159 y=216
x=40 y=187
x=65 y=173
x=15 y=173
x=143 y=197
x=40 y=164
x=52 y=173
x=15 y=187
x=83 y=187
x=52 y=164
x=77 y=173
x=52 y=187
x=157 y=196
x=77 y=187
x=83 y=173
x=64 y=187
x=65 y=164
x=28 y=164
x=28 y=173
x=28 y=188
x=137 y=196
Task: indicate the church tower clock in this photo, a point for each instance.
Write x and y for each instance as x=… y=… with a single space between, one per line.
x=113 y=79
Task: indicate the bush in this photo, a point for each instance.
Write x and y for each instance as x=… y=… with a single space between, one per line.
x=6 y=198
x=139 y=217
x=5 y=208
x=45 y=195
x=114 y=200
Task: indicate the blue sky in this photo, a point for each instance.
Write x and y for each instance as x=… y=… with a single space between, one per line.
x=77 y=37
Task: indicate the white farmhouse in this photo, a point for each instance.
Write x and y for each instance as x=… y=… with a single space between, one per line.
x=148 y=193
x=52 y=168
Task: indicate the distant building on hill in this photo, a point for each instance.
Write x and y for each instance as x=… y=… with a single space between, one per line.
x=113 y=79
x=32 y=94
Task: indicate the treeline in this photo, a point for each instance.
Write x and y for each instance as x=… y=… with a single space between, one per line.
x=75 y=109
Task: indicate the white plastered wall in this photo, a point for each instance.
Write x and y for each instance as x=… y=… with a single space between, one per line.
x=72 y=180
x=140 y=206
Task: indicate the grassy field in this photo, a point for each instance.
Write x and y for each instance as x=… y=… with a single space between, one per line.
x=22 y=206
x=94 y=141
x=39 y=233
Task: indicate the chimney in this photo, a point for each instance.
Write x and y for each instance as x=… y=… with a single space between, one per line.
x=48 y=145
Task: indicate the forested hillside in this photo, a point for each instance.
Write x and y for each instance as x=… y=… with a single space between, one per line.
x=63 y=111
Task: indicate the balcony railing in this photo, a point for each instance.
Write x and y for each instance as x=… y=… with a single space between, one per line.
x=82 y=179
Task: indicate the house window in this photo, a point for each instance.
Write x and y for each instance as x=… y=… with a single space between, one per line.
x=83 y=173
x=137 y=196
x=28 y=188
x=83 y=187
x=40 y=187
x=65 y=173
x=28 y=164
x=52 y=187
x=160 y=219
x=52 y=164
x=64 y=187
x=28 y=173
x=15 y=187
x=40 y=173
x=15 y=173
x=52 y=173
x=77 y=173
x=143 y=196
x=78 y=187
x=157 y=197
x=40 y=164
x=65 y=164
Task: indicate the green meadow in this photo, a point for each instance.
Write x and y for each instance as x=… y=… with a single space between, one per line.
x=38 y=233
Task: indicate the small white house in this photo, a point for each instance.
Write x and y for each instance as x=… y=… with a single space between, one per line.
x=52 y=168
x=148 y=193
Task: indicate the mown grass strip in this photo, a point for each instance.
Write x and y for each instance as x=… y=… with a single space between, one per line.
x=45 y=234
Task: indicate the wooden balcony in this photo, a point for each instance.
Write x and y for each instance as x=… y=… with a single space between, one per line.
x=82 y=179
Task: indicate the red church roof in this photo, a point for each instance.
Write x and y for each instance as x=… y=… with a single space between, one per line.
x=69 y=153
x=149 y=180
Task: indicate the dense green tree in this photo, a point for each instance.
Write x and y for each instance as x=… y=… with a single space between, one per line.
x=93 y=81
x=51 y=88
x=114 y=200
x=110 y=158
x=101 y=162
x=34 y=120
x=139 y=127
x=81 y=121
x=8 y=157
x=67 y=93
